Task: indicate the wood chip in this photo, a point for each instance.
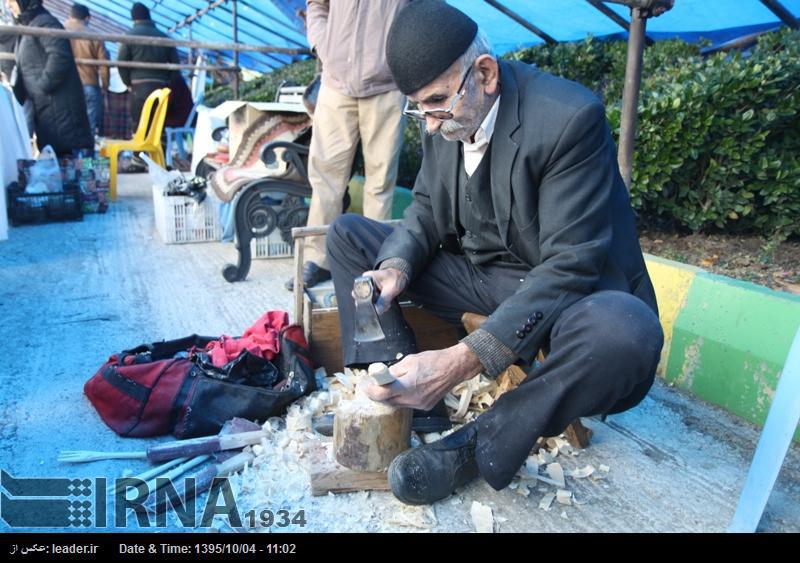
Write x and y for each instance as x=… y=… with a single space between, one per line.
x=564 y=497
x=547 y=502
x=524 y=491
x=581 y=473
x=463 y=404
x=482 y=518
x=556 y=473
x=423 y=518
x=484 y=400
x=545 y=457
x=451 y=402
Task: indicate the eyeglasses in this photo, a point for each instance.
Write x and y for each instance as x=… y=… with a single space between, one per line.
x=441 y=113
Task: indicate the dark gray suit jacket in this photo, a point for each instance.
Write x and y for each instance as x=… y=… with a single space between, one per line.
x=560 y=202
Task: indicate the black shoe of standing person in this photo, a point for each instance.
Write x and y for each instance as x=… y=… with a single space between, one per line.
x=312 y=275
x=432 y=472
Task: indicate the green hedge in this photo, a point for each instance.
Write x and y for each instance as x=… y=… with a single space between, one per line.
x=264 y=88
x=718 y=138
x=718 y=141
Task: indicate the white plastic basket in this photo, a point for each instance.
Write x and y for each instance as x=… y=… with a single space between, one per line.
x=180 y=219
x=271 y=246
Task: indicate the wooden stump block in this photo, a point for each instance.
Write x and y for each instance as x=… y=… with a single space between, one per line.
x=368 y=435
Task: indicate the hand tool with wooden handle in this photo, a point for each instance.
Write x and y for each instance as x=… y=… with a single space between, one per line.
x=171 y=450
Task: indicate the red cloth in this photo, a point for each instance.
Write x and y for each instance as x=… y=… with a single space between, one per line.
x=262 y=339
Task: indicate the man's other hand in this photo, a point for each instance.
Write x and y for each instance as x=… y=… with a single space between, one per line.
x=424 y=378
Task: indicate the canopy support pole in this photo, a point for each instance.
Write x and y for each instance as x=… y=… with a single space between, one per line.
x=521 y=21
x=780 y=10
x=630 y=95
x=611 y=14
x=235 y=16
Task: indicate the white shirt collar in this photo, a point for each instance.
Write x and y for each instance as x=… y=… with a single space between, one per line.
x=473 y=152
x=484 y=133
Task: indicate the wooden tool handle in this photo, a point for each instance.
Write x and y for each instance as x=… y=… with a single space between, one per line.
x=204 y=445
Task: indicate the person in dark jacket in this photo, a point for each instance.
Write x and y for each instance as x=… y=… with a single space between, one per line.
x=46 y=75
x=143 y=81
x=7 y=43
x=519 y=214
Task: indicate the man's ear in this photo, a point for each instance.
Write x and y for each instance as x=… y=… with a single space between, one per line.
x=488 y=73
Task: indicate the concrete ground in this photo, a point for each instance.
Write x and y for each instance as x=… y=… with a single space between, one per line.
x=73 y=293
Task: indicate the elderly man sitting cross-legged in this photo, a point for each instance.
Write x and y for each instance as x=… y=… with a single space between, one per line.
x=519 y=213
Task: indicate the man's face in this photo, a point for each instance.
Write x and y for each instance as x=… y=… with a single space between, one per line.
x=468 y=112
x=14 y=7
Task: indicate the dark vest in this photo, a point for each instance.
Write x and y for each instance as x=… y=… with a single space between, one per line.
x=475 y=218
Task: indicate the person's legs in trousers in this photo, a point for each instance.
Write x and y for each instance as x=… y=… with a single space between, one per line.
x=334 y=140
x=381 y=124
x=604 y=350
x=603 y=354
x=94 y=108
x=449 y=287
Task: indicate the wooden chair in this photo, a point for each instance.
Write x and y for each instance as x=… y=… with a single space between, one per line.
x=146 y=139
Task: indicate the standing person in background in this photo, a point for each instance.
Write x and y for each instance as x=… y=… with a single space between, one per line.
x=91 y=76
x=143 y=81
x=47 y=77
x=358 y=100
x=7 y=43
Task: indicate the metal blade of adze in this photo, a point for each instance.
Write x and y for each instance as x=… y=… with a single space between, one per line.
x=367 y=326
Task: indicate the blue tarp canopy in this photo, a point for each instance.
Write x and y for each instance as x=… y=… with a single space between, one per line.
x=276 y=22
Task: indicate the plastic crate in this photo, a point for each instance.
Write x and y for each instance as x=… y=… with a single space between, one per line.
x=26 y=209
x=181 y=220
x=271 y=246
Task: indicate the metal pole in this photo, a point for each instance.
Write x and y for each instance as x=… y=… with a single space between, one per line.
x=779 y=10
x=521 y=21
x=191 y=51
x=135 y=64
x=630 y=94
x=611 y=14
x=144 y=40
x=738 y=43
x=235 y=16
x=776 y=437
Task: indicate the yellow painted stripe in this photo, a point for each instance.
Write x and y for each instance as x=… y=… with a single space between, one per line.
x=671 y=281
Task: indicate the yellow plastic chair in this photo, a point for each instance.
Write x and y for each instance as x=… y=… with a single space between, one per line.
x=146 y=139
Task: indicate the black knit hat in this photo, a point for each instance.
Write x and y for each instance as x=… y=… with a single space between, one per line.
x=140 y=12
x=79 y=12
x=427 y=36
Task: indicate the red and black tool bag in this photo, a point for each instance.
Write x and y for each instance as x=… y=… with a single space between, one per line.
x=163 y=388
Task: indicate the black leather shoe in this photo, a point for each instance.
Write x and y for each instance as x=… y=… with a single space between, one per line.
x=430 y=473
x=312 y=275
x=435 y=420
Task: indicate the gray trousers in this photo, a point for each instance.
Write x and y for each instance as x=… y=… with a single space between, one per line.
x=602 y=353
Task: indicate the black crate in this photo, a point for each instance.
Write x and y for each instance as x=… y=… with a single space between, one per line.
x=26 y=209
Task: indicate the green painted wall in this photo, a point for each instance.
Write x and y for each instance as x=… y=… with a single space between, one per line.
x=730 y=342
